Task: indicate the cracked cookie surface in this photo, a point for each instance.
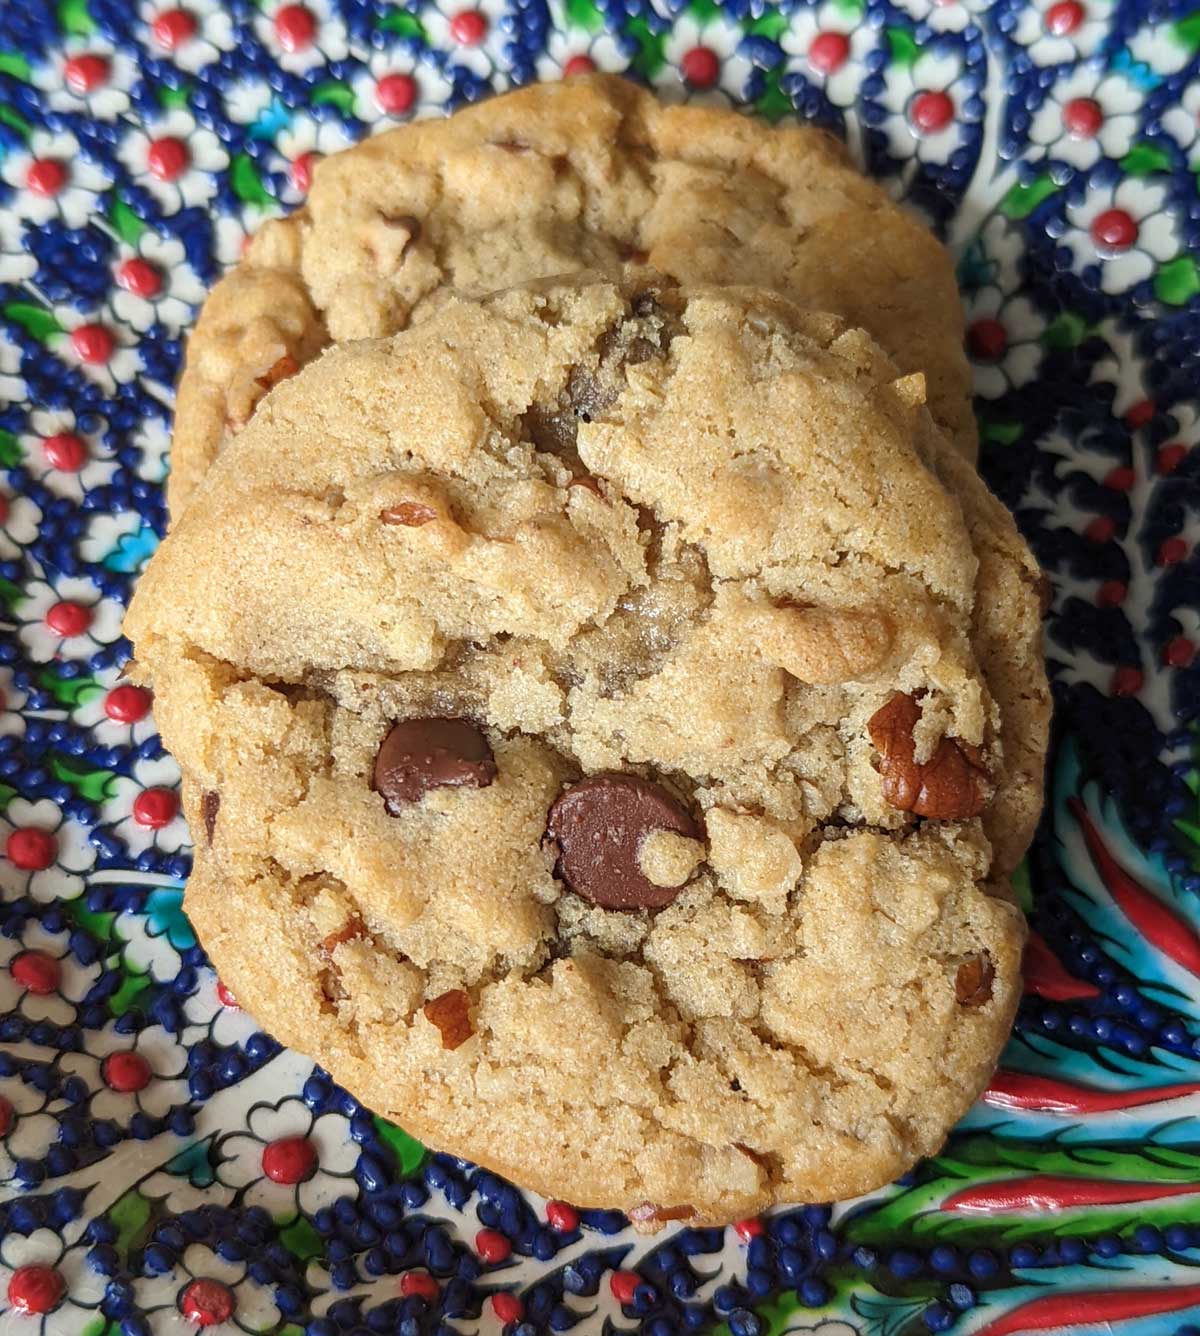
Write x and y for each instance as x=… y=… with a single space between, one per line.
x=552 y=179
x=594 y=734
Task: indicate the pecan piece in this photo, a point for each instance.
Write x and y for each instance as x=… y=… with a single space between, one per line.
x=451 y=1014
x=281 y=369
x=950 y=786
x=973 y=982
x=352 y=928
x=648 y=1212
x=412 y=514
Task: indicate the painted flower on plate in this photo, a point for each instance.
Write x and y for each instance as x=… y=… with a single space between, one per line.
x=45 y=853
x=103 y=348
x=703 y=63
x=46 y=1289
x=174 y=158
x=19 y=520
x=395 y=84
x=1054 y=32
x=572 y=50
x=212 y=1012
x=64 y=457
x=53 y=178
x=940 y=15
x=41 y=978
x=116 y=713
x=1182 y=122
x=1086 y=113
x=27 y=1131
x=289 y=1161
x=144 y=812
x=472 y=33
x=190 y=35
x=88 y=75
x=301 y=145
x=206 y=1290
x=828 y=45
x=155 y=283
x=929 y=104
x=301 y=36
x=69 y=619
x=1124 y=228
x=144 y=1072
x=1164 y=47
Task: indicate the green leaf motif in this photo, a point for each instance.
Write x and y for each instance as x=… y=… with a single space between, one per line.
x=11 y=453
x=1022 y=885
x=649 y=59
x=12 y=62
x=1066 y=331
x=774 y=102
x=301 y=1239
x=584 y=14
x=7 y=794
x=74 y=18
x=409 y=1152
x=1177 y=282
x=10 y=594
x=1143 y=159
x=1187 y=31
x=130 y=1214
x=247 y=184
x=90 y=783
x=404 y=25
x=704 y=11
x=334 y=94
x=18 y=123
x=902 y=45
x=68 y=691
x=1021 y=201
x=131 y=987
x=36 y=321
x=172 y=98
x=126 y=224
x=99 y=925
x=771 y=25
x=1000 y=433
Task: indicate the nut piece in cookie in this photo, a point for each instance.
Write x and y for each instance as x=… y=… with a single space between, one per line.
x=951 y=786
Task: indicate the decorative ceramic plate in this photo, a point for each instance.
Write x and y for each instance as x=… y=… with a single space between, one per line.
x=163 y=1164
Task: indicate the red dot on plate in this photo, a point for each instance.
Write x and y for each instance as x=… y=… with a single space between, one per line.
x=1114 y=230
x=748 y=1229
x=3 y=509
x=172 y=28
x=395 y=94
x=46 y=177
x=930 y=112
x=828 y=52
x=140 y=277
x=301 y=171
x=1100 y=530
x=562 y=1216
x=8 y=1116
x=66 y=452
x=206 y=1303
x=155 y=808
x=1083 y=117
x=1120 y=479
x=623 y=1284
x=492 y=1246
x=1064 y=18
x=987 y=340
x=1179 y=653
x=1139 y=414
x=85 y=73
x=1126 y=682
x=93 y=344
x=1112 y=593
x=127 y=704
x=33 y=1290
x=1171 y=551
x=30 y=849
x=126 y=1072
x=295 y=27
x=69 y=619
x=469 y=27
x=419 y=1284
x=578 y=65
x=508 y=1308
x=36 y=971
x=701 y=66
x=167 y=158
x=226 y=998
x=1170 y=457
x=289 y=1160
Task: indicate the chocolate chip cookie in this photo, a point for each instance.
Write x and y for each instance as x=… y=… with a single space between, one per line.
x=588 y=174
x=595 y=704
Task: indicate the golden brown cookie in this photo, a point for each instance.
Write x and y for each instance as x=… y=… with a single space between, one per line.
x=581 y=708
x=588 y=174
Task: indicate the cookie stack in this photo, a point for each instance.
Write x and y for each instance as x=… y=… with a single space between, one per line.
x=610 y=703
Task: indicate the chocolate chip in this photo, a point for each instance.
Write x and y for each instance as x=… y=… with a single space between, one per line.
x=973 y=982
x=423 y=754
x=451 y=1014
x=412 y=514
x=597 y=827
x=210 y=805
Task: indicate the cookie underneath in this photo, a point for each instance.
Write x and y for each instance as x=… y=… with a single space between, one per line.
x=583 y=700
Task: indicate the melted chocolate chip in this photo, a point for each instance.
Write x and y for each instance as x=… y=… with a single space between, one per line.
x=210 y=805
x=423 y=754
x=597 y=827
